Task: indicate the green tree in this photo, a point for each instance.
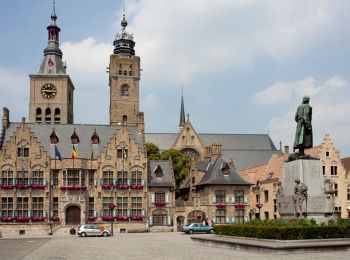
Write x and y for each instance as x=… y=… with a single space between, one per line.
x=181 y=163
x=153 y=152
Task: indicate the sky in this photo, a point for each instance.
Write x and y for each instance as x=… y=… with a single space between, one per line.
x=244 y=64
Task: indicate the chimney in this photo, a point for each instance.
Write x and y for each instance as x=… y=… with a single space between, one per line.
x=286 y=149
x=207 y=153
x=216 y=150
x=5 y=118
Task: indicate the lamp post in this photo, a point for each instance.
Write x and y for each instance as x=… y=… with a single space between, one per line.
x=111 y=207
x=258 y=190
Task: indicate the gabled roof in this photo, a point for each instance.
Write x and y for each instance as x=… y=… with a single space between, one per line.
x=167 y=180
x=85 y=132
x=215 y=175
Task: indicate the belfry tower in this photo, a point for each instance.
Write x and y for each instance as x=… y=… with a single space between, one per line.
x=124 y=78
x=51 y=89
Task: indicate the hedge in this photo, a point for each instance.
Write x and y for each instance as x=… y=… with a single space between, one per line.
x=284 y=232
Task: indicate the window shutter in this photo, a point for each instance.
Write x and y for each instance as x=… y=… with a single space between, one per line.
x=129 y=212
x=227 y=199
x=129 y=182
x=30 y=213
x=166 y=198
x=233 y=220
x=142 y=213
x=44 y=213
x=233 y=199
x=213 y=199
x=114 y=213
x=214 y=220
x=142 y=182
x=246 y=219
x=153 y=197
x=246 y=201
x=151 y=220
x=95 y=215
x=227 y=220
x=169 y=221
x=95 y=183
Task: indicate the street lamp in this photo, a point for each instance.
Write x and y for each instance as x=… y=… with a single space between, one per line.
x=111 y=207
x=258 y=190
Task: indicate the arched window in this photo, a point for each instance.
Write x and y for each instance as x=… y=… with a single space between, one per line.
x=38 y=118
x=124 y=91
x=57 y=115
x=47 y=115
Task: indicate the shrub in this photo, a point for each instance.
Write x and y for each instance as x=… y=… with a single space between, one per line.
x=286 y=230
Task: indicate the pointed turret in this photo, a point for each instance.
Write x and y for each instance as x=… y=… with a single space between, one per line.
x=52 y=62
x=124 y=42
x=182 y=114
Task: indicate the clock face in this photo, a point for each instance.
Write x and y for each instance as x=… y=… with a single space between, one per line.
x=48 y=90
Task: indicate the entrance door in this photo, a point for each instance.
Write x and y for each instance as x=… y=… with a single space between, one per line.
x=73 y=215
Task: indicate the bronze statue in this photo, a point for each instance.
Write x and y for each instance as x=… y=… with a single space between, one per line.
x=303 y=135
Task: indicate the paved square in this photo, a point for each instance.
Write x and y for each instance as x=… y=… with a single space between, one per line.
x=133 y=246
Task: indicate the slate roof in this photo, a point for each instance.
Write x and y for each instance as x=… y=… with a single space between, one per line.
x=346 y=163
x=215 y=175
x=246 y=150
x=64 y=133
x=167 y=180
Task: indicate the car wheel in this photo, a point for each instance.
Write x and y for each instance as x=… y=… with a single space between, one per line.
x=104 y=234
x=83 y=234
x=190 y=231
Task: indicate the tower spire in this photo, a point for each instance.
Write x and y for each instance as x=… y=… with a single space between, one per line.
x=53 y=14
x=124 y=42
x=182 y=111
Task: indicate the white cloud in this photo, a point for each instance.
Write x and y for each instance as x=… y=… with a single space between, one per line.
x=14 y=89
x=331 y=109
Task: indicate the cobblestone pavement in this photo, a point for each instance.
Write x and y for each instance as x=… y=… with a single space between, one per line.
x=18 y=248
x=137 y=246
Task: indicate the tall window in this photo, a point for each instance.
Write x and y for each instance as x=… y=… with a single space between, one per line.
x=348 y=193
x=38 y=178
x=48 y=115
x=91 y=207
x=239 y=215
x=122 y=206
x=57 y=116
x=55 y=207
x=334 y=170
x=55 y=174
x=159 y=196
x=122 y=153
x=122 y=178
x=136 y=206
x=7 y=207
x=220 y=216
x=136 y=178
x=324 y=170
x=220 y=196
x=71 y=177
x=107 y=178
x=38 y=206
x=335 y=189
x=7 y=177
x=105 y=204
x=38 y=115
x=91 y=178
x=274 y=205
x=22 y=178
x=22 y=206
x=22 y=152
x=266 y=196
x=239 y=196
x=124 y=91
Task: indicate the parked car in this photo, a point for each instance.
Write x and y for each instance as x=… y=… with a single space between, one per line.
x=197 y=228
x=93 y=230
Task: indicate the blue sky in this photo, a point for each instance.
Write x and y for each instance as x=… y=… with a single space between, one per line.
x=245 y=65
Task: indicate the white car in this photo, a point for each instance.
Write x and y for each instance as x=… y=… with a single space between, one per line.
x=92 y=230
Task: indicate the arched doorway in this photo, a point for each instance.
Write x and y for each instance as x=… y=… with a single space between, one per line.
x=73 y=215
x=180 y=220
x=159 y=217
x=195 y=216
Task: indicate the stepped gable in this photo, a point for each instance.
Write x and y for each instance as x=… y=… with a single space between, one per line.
x=85 y=132
x=167 y=177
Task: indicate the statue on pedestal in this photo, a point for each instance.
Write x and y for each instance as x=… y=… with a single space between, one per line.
x=303 y=135
x=300 y=199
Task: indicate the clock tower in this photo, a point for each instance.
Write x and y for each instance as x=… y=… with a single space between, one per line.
x=51 y=89
x=124 y=78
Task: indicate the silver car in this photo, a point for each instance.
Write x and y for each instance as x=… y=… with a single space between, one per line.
x=92 y=230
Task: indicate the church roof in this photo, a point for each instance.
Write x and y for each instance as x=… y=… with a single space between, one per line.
x=84 y=132
x=167 y=178
x=215 y=175
x=246 y=150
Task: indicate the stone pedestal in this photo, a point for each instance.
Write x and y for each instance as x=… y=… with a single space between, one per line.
x=319 y=205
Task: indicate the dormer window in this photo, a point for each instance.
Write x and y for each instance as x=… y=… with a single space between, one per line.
x=158 y=171
x=75 y=138
x=54 y=138
x=225 y=168
x=269 y=176
x=95 y=139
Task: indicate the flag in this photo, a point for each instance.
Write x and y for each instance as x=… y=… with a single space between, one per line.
x=125 y=154
x=57 y=153
x=74 y=153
